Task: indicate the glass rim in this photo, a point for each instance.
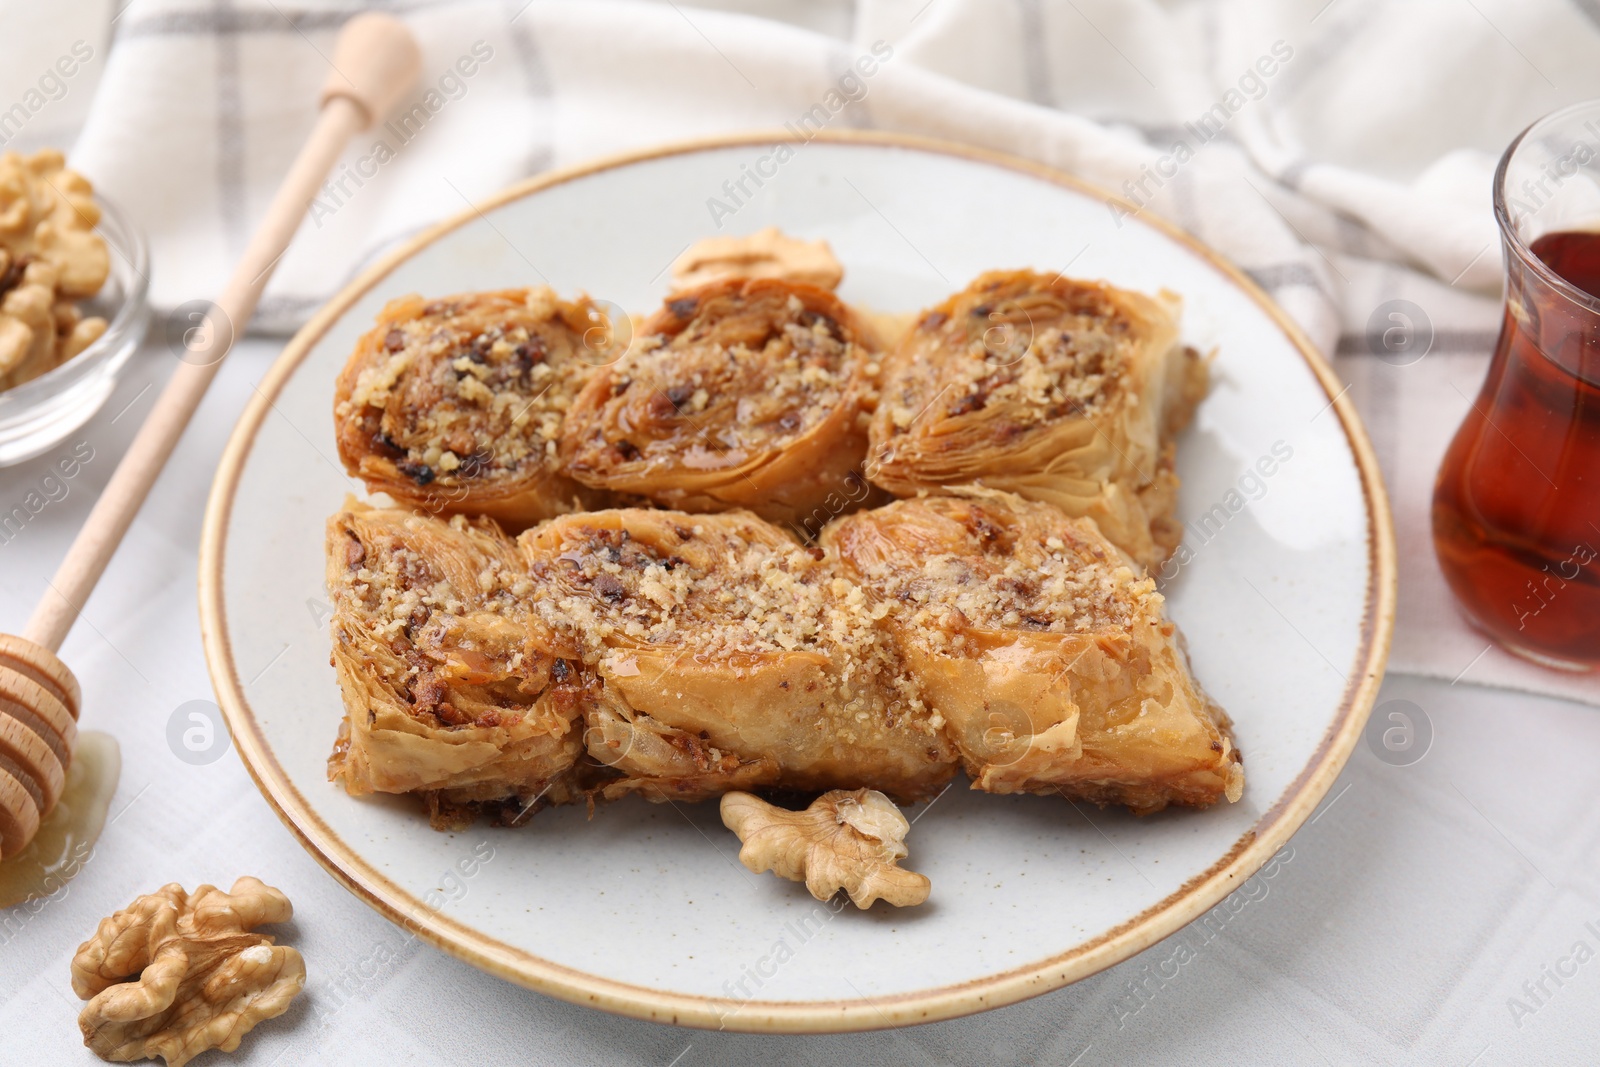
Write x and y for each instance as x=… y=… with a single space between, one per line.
x=1508 y=230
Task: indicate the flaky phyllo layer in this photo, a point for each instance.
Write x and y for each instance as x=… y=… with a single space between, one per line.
x=455 y=406
x=743 y=393
x=774 y=395
x=1049 y=657
x=449 y=686
x=683 y=656
x=1064 y=391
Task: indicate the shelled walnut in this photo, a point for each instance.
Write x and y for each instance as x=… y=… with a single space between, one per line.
x=174 y=974
x=50 y=257
x=847 y=839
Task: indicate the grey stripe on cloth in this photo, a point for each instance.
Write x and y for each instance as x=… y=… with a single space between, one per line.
x=1163 y=135
x=281 y=314
x=226 y=21
x=230 y=140
x=1590 y=10
x=1378 y=388
x=1160 y=135
x=1445 y=342
x=1035 y=64
x=536 y=75
x=1284 y=275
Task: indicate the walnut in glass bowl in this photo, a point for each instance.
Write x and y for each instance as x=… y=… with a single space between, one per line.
x=73 y=280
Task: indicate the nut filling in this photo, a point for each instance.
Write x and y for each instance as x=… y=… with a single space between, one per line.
x=739 y=393
x=1063 y=391
x=456 y=405
x=448 y=690
x=1046 y=652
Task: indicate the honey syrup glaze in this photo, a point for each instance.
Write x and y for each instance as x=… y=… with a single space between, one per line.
x=66 y=838
x=1516 y=510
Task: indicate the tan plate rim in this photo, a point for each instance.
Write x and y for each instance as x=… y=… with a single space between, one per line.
x=1200 y=894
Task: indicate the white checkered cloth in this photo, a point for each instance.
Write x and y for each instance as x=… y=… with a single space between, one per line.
x=1341 y=152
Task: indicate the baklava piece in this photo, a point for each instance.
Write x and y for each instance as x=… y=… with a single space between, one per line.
x=455 y=406
x=728 y=657
x=749 y=393
x=1063 y=391
x=450 y=687
x=1043 y=649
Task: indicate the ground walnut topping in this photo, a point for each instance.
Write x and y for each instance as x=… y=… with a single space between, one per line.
x=738 y=372
x=681 y=656
x=472 y=388
x=717 y=588
x=1039 y=350
x=402 y=586
x=743 y=393
x=992 y=576
x=803 y=383
x=406 y=601
x=731 y=596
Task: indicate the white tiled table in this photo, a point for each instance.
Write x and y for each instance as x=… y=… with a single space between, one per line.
x=1397 y=928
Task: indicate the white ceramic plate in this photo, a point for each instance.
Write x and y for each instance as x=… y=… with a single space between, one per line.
x=1286 y=596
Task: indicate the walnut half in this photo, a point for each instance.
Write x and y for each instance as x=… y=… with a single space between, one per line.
x=174 y=974
x=847 y=839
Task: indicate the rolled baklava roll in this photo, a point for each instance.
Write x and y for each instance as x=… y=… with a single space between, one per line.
x=728 y=657
x=742 y=393
x=1063 y=391
x=455 y=406
x=448 y=688
x=1047 y=656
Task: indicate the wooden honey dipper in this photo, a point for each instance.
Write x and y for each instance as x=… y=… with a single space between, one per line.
x=375 y=61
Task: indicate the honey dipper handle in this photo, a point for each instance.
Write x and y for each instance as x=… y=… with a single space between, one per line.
x=376 y=61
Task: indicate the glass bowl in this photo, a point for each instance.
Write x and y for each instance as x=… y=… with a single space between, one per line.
x=36 y=415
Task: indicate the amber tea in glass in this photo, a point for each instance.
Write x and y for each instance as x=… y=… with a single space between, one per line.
x=1516 y=509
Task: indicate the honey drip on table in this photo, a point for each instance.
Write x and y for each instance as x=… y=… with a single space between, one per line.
x=66 y=838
